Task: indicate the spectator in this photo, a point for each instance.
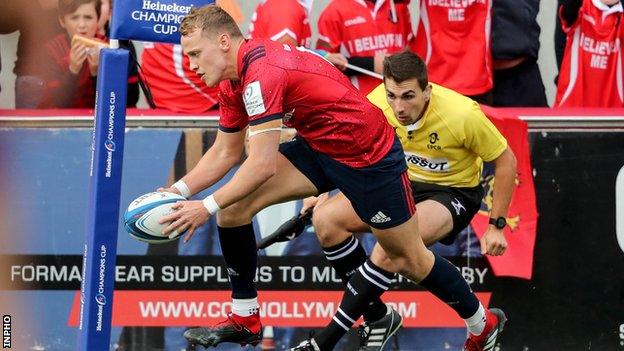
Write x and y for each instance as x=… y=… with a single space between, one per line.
x=36 y=22
x=173 y=85
x=362 y=33
x=70 y=80
x=591 y=71
x=282 y=20
x=515 y=46
x=443 y=31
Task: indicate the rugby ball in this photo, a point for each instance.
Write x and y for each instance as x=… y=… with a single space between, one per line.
x=142 y=216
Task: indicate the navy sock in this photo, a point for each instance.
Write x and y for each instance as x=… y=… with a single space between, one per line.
x=238 y=245
x=346 y=257
x=445 y=282
x=367 y=282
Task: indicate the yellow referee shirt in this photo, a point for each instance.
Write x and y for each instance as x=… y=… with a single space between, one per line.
x=448 y=145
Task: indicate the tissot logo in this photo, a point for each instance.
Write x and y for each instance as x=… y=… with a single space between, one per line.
x=436 y=165
x=619 y=208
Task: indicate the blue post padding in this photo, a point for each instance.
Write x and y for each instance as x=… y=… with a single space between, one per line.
x=100 y=250
x=151 y=20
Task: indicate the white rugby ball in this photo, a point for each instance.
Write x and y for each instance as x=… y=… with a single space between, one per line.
x=142 y=216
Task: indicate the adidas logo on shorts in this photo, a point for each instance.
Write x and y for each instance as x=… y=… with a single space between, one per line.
x=380 y=217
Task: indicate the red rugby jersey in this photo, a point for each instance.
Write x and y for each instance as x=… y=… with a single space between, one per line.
x=279 y=81
x=359 y=28
x=591 y=71
x=453 y=37
x=275 y=18
x=174 y=86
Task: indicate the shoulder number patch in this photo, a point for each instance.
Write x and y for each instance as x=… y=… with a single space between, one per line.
x=254 y=103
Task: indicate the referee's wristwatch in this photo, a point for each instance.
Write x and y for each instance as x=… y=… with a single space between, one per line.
x=499 y=222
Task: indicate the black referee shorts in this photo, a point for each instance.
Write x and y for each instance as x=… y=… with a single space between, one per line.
x=463 y=203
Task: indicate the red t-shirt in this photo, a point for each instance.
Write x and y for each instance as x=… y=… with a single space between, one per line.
x=591 y=71
x=279 y=81
x=358 y=28
x=275 y=18
x=64 y=89
x=174 y=86
x=453 y=37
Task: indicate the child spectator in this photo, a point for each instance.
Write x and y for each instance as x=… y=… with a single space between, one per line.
x=73 y=64
x=591 y=72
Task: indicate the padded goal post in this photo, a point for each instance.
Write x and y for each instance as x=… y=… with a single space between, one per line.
x=146 y=20
x=100 y=249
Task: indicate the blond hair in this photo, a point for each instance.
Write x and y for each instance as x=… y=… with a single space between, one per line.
x=211 y=19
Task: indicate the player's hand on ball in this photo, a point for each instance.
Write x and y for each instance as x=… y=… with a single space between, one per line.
x=186 y=216
x=493 y=242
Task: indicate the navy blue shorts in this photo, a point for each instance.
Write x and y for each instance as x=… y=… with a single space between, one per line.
x=380 y=194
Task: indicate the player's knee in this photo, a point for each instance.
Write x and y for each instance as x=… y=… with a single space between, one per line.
x=402 y=266
x=234 y=215
x=325 y=227
x=412 y=267
x=380 y=259
x=387 y=265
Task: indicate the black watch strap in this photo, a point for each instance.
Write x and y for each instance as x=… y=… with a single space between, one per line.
x=499 y=222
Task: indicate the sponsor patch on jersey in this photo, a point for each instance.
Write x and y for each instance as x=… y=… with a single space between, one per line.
x=436 y=165
x=354 y=21
x=254 y=103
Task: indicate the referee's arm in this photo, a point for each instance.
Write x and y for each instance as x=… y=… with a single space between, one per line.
x=493 y=241
x=504 y=183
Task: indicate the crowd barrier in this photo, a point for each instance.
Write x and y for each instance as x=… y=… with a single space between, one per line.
x=570 y=298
